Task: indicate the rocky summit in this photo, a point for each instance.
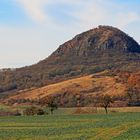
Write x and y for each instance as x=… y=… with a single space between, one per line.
x=101 y=39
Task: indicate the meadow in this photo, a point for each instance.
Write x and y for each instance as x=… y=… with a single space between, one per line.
x=68 y=126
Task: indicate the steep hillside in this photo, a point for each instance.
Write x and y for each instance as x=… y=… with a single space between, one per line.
x=99 y=49
x=87 y=84
x=84 y=88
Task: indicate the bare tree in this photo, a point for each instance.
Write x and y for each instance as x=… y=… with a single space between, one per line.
x=105 y=101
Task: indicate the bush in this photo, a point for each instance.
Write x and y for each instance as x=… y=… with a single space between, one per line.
x=40 y=112
x=49 y=102
x=9 y=113
x=33 y=111
x=17 y=113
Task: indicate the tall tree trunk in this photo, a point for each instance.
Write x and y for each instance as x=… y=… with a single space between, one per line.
x=51 y=111
x=106 y=110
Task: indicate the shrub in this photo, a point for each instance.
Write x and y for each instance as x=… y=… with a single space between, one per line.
x=50 y=103
x=17 y=113
x=33 y=111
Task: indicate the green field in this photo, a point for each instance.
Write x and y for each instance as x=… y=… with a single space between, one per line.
x=115 y=126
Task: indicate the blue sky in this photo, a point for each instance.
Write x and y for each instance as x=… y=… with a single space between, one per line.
x=30 y=30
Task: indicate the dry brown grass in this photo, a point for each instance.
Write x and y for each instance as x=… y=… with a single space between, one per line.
x=96 y=84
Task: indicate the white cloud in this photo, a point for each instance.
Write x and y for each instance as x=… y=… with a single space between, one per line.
x=124 y=19
x=35 y=8
x=91 y=13
x=104 y=12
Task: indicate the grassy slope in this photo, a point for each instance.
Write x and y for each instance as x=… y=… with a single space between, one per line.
x=88 y=84
x=118 y=126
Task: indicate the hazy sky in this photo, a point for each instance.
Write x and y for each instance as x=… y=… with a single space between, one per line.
x=30 y=30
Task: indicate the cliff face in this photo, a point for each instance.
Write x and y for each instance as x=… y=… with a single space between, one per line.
x=99 y=49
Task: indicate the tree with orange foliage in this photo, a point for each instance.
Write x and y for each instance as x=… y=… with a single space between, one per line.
x=133 y=84
x=49 y=101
